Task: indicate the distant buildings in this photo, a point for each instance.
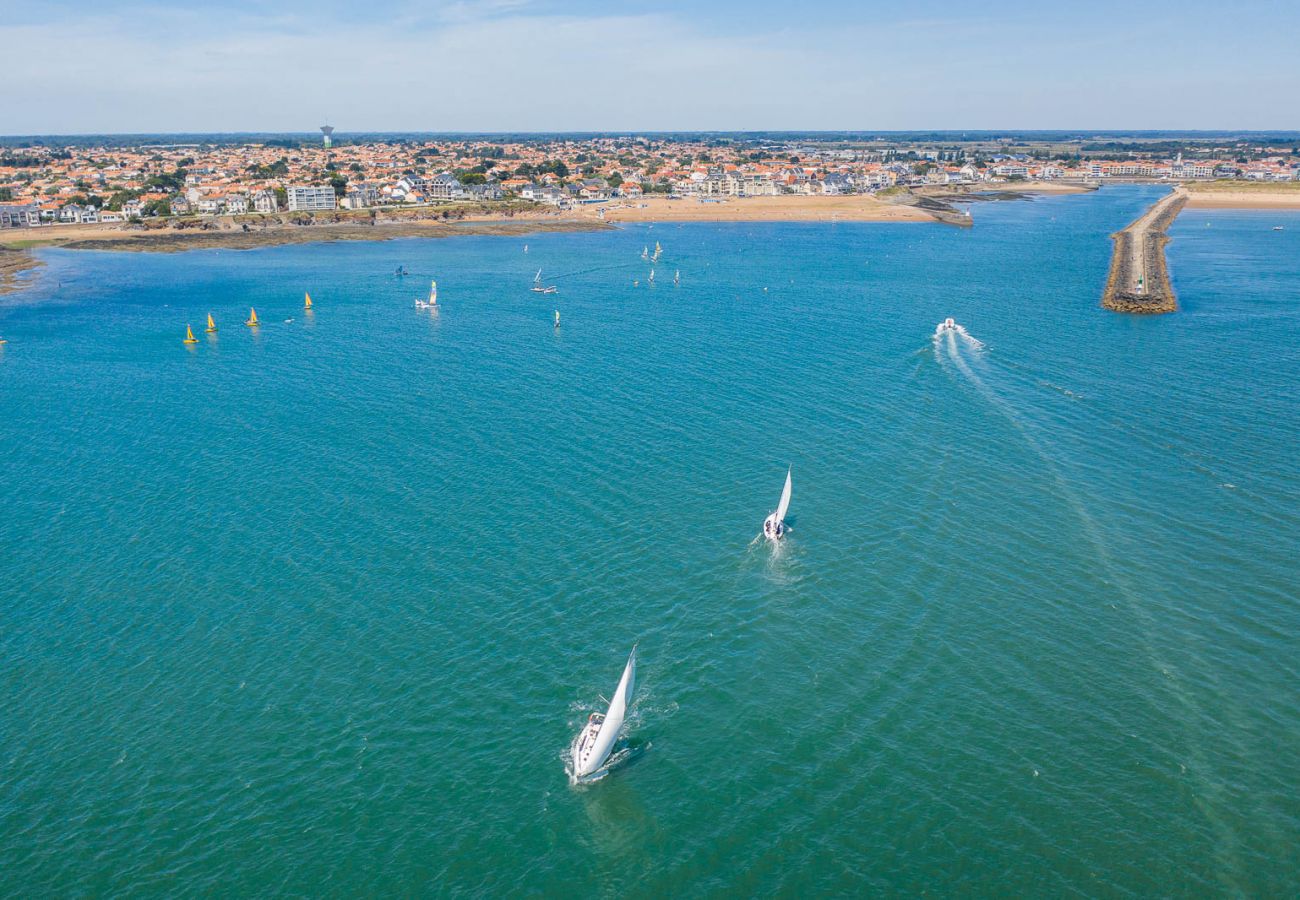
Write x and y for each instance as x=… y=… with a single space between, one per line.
x=303 y=199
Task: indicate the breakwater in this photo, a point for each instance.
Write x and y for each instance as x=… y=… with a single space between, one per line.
x=1139 y=275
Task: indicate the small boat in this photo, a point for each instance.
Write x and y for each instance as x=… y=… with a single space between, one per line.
x=774 y=525
x=946 y=325
x=189 y=336
x=592 y=745
x=677 y=277
x=525 y=248
x=432 y=302
x=252 y=318
x=557 y=318
x=212 y=326
x=645 y=252
x=1277 y=227
x=401 y=271
x=652 y=277
x=539 y=288
x=306 y=303
x=658 y=252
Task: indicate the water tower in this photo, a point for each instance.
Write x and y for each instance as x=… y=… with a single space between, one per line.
x=327 y=130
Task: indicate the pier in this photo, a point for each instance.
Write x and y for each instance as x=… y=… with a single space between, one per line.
x=1139 y=275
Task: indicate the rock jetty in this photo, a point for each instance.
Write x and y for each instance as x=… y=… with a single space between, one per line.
x=1139 y=275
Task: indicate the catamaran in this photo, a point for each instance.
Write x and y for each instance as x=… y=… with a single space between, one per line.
x=539 y=288
x=212 y=326
x=252 y=318
x=432 y=302
x=592 y=745
x=774 y=525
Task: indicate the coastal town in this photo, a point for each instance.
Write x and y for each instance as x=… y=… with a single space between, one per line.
x=45 y=183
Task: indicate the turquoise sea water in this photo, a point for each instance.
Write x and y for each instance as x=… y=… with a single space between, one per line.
x=317 y=610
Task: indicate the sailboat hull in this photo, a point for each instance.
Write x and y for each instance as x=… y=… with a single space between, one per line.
x=773 y=528
x=592 y=747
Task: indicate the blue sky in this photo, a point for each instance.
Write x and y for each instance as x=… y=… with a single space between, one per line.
x=75 y=66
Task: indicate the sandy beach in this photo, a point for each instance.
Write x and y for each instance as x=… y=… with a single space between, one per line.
x=1282 y=195
x=846 y=208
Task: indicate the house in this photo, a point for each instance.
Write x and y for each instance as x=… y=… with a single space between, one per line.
x=445 y=187
x=836 y=183
x=74 y=214
x=264 y=201
x=236 y=204
x=594 y=189
x=490 y=190
x=180 y=206
x=630 y=189
x=19 y=216
x=359 y=196
x=209 y=206
x=133 y=209
x=552 y=194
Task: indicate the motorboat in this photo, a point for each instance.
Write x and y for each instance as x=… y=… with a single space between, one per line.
x=946 y=325
x=593 y=744
x=774 y=527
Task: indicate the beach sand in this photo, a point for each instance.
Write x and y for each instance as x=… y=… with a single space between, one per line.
x=1279 y=199
x=843 y=208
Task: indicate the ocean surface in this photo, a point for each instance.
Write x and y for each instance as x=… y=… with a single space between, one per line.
x=315 y=610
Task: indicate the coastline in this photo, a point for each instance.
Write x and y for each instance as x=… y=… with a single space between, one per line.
x=12 y=263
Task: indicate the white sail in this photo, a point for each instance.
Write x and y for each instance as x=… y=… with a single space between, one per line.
x=589 y=758
x=785 y=498
x=537 y=279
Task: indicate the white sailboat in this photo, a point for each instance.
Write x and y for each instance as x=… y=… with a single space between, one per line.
x=645 y=252
x=593 y=744
x=432 y=302
x=774 y=525
x=557 y=318
x=658 y=251
x=539 y=288
x=677 y=277
x=652 y=276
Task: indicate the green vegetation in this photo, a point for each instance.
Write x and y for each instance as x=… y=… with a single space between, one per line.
x=169 y=182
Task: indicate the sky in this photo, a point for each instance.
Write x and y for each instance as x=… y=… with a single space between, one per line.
x=81 y=66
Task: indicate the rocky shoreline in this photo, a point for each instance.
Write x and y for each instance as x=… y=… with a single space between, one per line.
x=12 y=262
